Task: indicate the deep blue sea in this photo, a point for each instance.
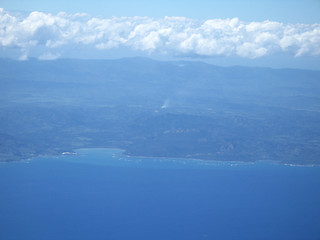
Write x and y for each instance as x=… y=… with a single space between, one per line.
x=102 y=194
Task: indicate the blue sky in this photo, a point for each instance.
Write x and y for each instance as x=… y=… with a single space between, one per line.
x=294 y=11
x=265 y=33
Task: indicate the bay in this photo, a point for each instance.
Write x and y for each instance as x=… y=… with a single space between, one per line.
x=103 y=194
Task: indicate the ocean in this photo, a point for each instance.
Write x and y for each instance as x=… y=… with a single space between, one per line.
x=102 y=194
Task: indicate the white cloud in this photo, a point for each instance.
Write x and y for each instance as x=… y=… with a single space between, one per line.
x=46 y=33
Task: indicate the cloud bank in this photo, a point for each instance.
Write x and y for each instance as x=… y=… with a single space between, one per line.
x=50 y=35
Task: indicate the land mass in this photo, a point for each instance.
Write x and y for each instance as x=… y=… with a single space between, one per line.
x=159 y=109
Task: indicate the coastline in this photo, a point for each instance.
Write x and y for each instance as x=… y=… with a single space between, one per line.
x=124 y=155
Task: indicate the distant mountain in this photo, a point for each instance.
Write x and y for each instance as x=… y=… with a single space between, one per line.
x=153 y=108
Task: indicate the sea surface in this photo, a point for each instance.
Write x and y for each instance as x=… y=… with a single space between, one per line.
x=102 y=194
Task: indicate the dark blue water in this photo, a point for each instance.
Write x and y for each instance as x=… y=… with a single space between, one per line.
x=101 y=194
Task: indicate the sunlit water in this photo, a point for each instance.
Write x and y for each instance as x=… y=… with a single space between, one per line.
x=102 y=194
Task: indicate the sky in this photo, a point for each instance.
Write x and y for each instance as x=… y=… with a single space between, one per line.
x=259 y=33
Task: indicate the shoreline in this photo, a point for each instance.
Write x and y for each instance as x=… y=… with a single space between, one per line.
x=242 y=162
x=75 y=152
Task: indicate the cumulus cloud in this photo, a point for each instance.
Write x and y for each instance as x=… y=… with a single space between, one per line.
x=52 y=34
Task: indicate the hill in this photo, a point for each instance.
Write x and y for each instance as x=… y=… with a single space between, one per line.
x=165 y=109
